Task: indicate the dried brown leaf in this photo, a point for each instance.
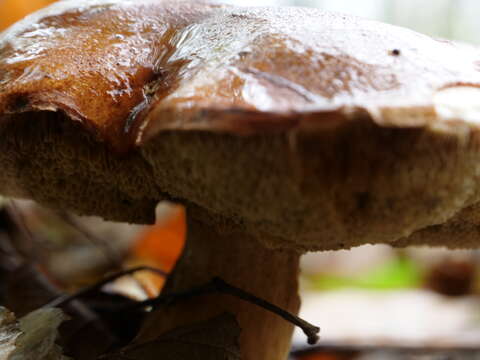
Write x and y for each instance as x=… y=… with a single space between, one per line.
x=9 y=332
x=214 y=339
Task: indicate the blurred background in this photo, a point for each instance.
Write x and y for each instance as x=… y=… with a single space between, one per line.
x=452 y=19
x=373 y=302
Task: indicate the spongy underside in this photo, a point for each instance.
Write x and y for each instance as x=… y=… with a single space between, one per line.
x=346 y=186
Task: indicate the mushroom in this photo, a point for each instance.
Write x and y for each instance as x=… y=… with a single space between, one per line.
x=282 y=130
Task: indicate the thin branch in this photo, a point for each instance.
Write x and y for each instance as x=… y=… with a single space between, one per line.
x=65 y=299
x=310 y=330
x=217 y=285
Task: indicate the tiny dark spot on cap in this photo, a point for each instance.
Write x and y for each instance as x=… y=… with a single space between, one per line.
x=395 y=52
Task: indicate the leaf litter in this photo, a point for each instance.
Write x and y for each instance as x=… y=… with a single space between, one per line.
x=32 y=337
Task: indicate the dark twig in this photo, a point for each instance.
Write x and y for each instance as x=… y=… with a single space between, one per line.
x=65 y=299
x=310 y=330
x=217 y=285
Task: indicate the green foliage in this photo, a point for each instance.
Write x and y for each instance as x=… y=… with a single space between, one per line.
x=398 y=273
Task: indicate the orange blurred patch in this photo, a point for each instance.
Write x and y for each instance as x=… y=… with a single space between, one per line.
x=160 y=246
x=14 y=10
x=163 y=242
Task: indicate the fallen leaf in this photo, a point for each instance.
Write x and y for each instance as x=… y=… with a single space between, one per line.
x=32 y=337
x=87 y=338
x=214 y=339
x=9 y=332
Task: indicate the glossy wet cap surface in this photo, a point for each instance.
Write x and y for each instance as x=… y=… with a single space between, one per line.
x=129 y=69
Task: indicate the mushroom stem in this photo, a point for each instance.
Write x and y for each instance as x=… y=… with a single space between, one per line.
x=243 y=262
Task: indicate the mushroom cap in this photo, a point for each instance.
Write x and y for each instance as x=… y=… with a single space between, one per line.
x=307 y=129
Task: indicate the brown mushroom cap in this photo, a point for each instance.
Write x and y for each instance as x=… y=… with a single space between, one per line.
x=307 y=129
